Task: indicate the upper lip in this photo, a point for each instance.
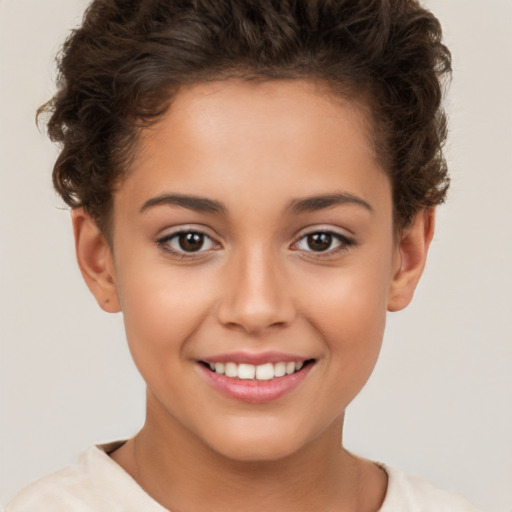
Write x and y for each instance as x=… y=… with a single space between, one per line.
x=255 y=358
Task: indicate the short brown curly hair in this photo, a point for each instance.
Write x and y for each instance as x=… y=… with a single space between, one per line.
x=119 y=70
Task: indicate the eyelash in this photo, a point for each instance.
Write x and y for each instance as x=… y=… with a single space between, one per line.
x=344 y=243
x=164 y=243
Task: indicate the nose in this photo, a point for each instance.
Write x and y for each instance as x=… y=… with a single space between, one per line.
x=255 y=294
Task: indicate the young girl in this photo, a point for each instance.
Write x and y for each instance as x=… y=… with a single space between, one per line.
x=253 y=185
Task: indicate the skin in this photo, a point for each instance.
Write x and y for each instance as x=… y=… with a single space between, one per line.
x=256 y=149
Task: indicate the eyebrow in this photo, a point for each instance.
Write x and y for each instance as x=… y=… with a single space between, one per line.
x=321 y=202
x=200 y=204
x=296 y=206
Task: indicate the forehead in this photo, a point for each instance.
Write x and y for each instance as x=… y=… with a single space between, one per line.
x=273 y=138
x=242 y=107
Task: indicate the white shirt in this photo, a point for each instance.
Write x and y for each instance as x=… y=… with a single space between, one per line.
x=98 y=484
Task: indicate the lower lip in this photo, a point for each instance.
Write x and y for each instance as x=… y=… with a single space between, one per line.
x=255 y=391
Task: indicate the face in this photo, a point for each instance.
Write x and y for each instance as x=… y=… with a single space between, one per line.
x=253 y=258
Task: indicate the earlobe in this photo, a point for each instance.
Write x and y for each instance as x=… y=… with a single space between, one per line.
x=95 y=260
x=410 y=259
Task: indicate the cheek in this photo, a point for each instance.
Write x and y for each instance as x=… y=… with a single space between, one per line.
x=162 y=308
x=349 y=303
x=349 y=312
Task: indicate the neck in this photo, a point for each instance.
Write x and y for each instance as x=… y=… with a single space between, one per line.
x=183 y=474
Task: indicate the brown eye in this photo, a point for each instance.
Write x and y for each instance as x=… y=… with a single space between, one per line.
x=186 y=242
x=319 y=241
x=191 y=242
x=324 y=243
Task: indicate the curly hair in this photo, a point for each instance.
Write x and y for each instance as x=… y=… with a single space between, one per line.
x=119 y=70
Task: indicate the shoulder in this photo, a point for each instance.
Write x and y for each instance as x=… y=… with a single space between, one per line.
x=58 y=491
x=95 y=483
x=414 y=494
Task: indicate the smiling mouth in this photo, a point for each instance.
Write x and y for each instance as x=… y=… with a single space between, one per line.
x=262 y=372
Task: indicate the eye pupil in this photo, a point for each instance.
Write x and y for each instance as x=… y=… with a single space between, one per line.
x=191 y=242
x=319 y=241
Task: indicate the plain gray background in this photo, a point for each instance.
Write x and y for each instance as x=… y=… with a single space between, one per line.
x=440 y=401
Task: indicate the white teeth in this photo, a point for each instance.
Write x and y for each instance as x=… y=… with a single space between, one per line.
x=265 y=371
x=279 y=369
x=290 y=368
x=246 y=371
x=231 y=370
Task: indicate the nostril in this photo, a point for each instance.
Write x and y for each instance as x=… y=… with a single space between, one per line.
x=255 y=297
x=253 y=320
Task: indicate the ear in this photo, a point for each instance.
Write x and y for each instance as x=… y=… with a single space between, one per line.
x=411 y=255
x=95 y=260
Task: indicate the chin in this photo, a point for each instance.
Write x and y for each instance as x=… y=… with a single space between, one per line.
x=257 y=452
x=257 y=443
